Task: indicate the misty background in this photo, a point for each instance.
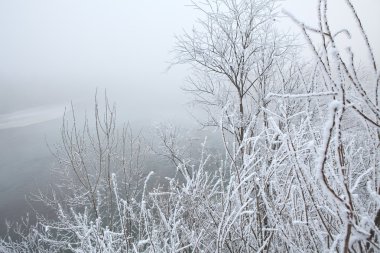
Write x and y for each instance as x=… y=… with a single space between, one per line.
x=53 y=53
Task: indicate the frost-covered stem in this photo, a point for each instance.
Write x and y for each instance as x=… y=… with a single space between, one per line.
x=324 y=46
x=305 y=182
x=144 y=213
x=327 y=136
x=364 y=34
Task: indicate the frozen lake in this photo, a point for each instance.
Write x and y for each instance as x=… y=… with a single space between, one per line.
x=25 y=161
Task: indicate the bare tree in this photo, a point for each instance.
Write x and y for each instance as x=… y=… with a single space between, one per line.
x=234 y=51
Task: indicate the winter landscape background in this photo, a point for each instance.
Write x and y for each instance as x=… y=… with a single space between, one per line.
x=245 y=187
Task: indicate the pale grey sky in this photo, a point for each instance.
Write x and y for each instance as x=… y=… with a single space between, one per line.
x=54 y=51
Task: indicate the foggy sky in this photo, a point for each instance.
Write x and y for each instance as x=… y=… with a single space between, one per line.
x=55 y=51
x=52 y=52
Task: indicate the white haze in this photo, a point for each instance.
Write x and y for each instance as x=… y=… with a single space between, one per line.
x=31 y=116
x=53 y=52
